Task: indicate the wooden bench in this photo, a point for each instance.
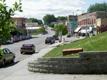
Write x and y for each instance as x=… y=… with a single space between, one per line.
x=71 y=51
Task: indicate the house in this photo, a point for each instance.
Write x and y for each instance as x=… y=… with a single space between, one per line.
x=21 y=31
x=31 y=27
x=19 y=22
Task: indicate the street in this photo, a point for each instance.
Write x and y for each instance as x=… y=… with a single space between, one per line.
x=37 y=40
x=19 y=71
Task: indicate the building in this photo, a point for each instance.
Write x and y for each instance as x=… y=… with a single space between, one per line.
x=71 y=24
x=20 y=33
x=31 y=27
x=95 y=20
x=31 y=24
x=19 y=22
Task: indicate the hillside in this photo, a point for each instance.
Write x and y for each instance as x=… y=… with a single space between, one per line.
x=95 y=43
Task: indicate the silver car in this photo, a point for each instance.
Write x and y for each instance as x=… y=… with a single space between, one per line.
x=6 y=57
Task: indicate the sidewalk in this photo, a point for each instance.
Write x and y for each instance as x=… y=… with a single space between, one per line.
x=21 y=72
x=70 y=39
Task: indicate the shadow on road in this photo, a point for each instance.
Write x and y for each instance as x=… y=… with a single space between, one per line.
x=30 y=53
x=9 y=65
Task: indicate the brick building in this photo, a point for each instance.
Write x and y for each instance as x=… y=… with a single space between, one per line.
x=95 y=20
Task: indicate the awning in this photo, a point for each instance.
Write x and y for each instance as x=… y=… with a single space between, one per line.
x=32 y=28
x=77 y=29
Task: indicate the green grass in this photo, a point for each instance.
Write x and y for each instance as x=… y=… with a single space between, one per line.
x=38 y=31
x=95 y=43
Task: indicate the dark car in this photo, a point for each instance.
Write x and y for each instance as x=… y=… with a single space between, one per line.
x=45 y=32
x=27 y=48
x=69 y=35
x=50 y=40
x=6 y=56
x=9 y=42
x=56 y=37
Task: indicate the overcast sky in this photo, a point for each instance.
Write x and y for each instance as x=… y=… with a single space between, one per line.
x=39 y=8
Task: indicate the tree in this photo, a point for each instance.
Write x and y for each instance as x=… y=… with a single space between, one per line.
x=35 y=20
x=98 y=7
x=1 y=53
x=61 y=18
x=5 y=19
x=48 y=19
x=60 y=30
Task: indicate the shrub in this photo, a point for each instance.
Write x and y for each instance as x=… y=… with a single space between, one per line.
x=1 y=53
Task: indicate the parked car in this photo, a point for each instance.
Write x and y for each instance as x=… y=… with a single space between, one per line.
x=69 y=35
x=9 y=42
x=45 y=32
x=27 y=48
x=28 y=37
x=6 y=56
x=50 y=40
x=56 y=37
x=16 y=38
x=23 y=37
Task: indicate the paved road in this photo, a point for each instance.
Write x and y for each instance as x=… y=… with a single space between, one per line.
x=38 y=41
x=20 y=71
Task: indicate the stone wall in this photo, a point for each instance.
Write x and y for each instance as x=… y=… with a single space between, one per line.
x=89 y=62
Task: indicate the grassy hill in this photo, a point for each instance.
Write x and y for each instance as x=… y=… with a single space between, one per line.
x=95 y=43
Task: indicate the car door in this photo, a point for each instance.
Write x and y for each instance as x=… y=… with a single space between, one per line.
x=10 y=54
x=6 y=55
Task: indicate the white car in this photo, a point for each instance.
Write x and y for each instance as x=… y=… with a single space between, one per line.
x=6 y=57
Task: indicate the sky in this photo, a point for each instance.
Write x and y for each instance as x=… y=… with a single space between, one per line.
x=39 y=8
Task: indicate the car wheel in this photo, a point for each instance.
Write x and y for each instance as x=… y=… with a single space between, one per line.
x=22 y=52
x=33 y=51
x=3 y=63
x=12 y=61
x=51 y=42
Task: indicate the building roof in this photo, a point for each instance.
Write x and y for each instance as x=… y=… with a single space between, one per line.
x=32 y=28
x=18 y=17
x=93 y=13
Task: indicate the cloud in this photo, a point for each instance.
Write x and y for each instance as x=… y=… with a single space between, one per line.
x=39 y=8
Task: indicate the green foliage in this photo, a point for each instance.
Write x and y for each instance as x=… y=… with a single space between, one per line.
x=51 y=25
x=5 y=19
x=48 y=19
x=39 y=31
x=60 y=28
x=1 y=53
x=95 y=43
x=98 y=7
x=62 y=18
x=35 y=20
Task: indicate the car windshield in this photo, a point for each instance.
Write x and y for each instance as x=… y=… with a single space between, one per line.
x=27 y=45
x=6 y=50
